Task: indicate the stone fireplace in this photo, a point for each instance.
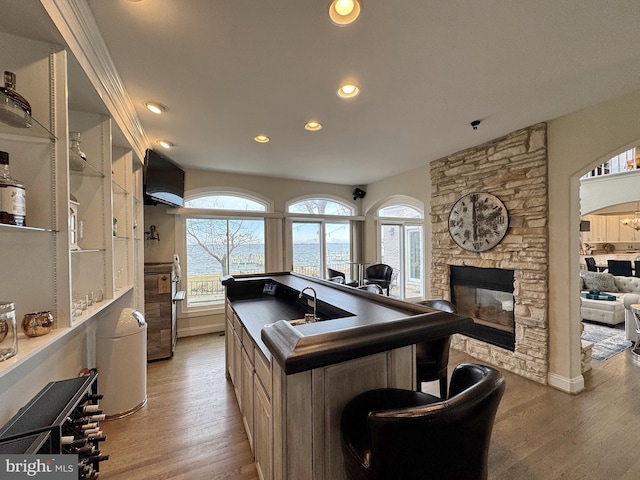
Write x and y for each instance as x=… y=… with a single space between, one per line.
x=513 y=168
x=486 y=295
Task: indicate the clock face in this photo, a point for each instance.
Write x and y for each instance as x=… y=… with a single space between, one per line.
x=478 y=222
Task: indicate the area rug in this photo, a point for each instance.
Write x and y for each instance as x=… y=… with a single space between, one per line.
x=607 y=341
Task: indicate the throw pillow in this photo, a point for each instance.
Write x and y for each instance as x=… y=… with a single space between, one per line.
x=601 y=281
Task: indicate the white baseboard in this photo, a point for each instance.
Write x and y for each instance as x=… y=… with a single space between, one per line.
x=569 y=385
x=200 y=330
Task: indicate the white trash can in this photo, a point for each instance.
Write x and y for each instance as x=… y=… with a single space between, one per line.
x=121 y=360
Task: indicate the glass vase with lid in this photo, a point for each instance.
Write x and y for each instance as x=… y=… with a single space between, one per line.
x=77 y=158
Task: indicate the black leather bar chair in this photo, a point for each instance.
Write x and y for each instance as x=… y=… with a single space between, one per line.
x=620 y=267
x=432 y=357
x=373 y=288
x=636 y=268
x=391 y=434
x=334 y=274
x=591 y=264
x=379 y=274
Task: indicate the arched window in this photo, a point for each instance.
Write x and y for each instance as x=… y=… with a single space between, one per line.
x=320 y=240
x=226 y=201
x=321 y=206
x=219 y=242
x=402 y=246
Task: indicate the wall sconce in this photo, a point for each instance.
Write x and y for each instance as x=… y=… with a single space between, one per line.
x=152 y=234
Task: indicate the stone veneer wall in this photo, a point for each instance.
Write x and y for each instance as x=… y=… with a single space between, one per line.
x=513 y=168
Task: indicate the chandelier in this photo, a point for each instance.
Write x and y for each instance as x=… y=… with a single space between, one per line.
x=633 y=222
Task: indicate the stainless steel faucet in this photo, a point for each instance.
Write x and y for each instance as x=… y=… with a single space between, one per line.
x=310 y=317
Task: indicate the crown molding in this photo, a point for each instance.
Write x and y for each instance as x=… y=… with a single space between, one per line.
x=76 y=23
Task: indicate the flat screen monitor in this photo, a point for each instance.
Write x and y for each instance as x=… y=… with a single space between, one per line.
x=163 y=180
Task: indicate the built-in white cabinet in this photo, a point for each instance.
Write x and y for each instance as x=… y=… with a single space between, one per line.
x=43 y=267
x=609 y=228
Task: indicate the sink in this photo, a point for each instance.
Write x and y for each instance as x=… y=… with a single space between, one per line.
x=294 y=322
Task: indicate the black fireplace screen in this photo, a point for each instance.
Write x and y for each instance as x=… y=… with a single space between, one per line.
x=486 y=295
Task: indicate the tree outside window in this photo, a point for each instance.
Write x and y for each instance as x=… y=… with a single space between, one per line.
x=221 y=246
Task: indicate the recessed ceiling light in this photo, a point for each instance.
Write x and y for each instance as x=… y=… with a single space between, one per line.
x=165 y=143
x=344 y=12
x=261 y=139
x=154 y=107
x=313 y=126
x=348 y=90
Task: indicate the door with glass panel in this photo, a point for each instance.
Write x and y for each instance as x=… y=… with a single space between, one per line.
x=401 y=248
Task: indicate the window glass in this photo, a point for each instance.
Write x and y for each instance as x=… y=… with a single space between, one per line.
x=400 y=211
x=321 y=206
x=221 y=246
x=226 y=202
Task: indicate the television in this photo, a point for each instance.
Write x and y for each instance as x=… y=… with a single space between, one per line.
x=163 y=180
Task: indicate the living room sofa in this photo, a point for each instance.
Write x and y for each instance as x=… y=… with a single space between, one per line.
x=625 y=289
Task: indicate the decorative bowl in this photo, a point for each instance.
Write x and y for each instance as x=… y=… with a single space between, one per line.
x=37 y=324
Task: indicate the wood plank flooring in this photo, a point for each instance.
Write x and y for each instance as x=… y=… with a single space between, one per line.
x=191 y=426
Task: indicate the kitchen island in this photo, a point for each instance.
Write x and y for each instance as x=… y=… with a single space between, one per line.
x=292 y=379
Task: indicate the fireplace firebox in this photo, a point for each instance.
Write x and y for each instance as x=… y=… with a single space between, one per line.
x=486 y=295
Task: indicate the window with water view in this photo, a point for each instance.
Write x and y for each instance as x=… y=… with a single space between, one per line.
x=221 y=246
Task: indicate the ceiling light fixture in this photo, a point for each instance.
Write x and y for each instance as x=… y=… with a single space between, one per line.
x=313 y=126
x=344 y=12
x=262 y=139
x=154 y=107
x=165 y=143
x=348 y=90
x=633 y=222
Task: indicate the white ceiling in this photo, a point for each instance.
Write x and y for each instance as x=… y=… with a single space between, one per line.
x=230 y=69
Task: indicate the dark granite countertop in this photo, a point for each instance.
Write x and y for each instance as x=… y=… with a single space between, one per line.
x=362 y=323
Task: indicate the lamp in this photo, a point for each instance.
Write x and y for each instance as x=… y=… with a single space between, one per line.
x=633 y=222
x=344 y=12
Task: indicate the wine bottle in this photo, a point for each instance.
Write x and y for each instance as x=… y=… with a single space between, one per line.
x=89 y=408
x=13 y=203
x=73 y=441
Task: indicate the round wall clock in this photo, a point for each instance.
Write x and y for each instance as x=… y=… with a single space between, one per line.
x=478 y=222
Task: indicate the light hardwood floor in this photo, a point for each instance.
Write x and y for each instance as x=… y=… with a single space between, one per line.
x=191 y=427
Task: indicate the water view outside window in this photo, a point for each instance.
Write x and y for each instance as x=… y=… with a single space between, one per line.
x=321 y=244
x=221 y=246
x=318 y=245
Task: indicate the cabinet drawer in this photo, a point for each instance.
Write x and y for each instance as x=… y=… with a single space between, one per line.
x=263 y=370
x=237 y=324
x=247 y=344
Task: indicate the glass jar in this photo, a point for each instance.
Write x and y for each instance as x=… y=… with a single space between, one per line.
x=14 y=108
x=77 y=158
x=8 y=332
x=37 y=324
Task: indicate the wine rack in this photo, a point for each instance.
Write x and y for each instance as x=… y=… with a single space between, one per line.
x=64 y=417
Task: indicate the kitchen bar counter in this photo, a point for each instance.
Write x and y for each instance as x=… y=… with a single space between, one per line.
x=361 y=323
x=292 y=381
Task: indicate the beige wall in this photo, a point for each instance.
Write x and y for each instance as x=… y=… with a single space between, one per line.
x=415 y=184
x=577 y=142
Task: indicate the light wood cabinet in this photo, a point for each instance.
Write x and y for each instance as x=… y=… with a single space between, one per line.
x=263 y=432
x=250 y=374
